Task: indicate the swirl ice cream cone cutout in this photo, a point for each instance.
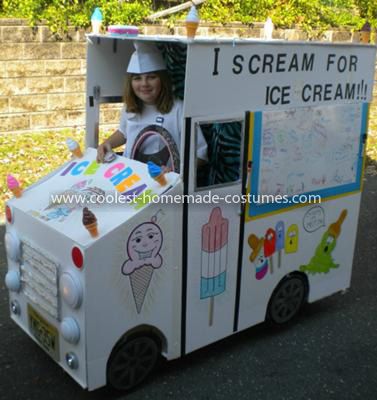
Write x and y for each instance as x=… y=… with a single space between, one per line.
x=74 y=148
x=90 y=222
x=157 y=173
x=192 y=22
x=14 y=186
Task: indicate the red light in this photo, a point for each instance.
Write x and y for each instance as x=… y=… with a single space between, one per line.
x=8 y=214
x=77 y=257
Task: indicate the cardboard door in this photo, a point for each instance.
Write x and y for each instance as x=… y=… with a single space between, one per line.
x=213 y=229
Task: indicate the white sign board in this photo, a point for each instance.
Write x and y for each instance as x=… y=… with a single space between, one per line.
x=225 y=78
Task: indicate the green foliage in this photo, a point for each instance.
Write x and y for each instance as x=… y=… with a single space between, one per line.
x=309 y=14
x=220 y=10
x=60 y=13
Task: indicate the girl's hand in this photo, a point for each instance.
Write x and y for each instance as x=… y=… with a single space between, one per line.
x=102 y=150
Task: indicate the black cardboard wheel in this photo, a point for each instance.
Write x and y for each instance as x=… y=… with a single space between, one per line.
x=286 y=300
x=131 y=362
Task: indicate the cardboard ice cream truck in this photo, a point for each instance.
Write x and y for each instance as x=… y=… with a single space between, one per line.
x=216 y=248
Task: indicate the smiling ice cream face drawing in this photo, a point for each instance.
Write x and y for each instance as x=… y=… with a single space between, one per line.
x=143 y=249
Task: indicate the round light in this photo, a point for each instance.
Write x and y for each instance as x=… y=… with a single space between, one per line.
x=13 y=281
x=8 y=214
x=12 y=246
x=72 y=360
x=70 y=330
x=71 y=290
x=77 y=257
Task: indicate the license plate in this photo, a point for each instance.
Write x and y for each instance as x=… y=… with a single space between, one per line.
x=45 y=334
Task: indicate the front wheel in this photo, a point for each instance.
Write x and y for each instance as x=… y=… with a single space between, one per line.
x=286 y=300
x=131 y=362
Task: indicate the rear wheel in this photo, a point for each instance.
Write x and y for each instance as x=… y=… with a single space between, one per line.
x=287 y=300
x=131 y=362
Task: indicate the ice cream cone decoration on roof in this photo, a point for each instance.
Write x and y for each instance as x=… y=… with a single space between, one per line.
x=365 y=33
x=192 y=22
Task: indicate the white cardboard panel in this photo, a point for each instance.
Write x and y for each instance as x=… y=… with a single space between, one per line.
x=255 y=293
x=219 y=80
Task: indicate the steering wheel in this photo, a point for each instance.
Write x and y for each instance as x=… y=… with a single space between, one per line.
x=157 y=137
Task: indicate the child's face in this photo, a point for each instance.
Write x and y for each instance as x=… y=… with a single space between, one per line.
x=146 y=87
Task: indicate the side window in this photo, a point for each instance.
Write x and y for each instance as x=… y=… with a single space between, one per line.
x=224 y=141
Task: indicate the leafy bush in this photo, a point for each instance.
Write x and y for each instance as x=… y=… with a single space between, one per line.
x=60 y=13
x=309 y=14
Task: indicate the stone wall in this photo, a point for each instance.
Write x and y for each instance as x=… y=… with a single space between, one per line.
x=42 y=78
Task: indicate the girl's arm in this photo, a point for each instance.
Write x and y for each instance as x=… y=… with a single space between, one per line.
x=115 y=140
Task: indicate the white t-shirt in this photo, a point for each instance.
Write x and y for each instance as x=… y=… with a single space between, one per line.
x=143 y=132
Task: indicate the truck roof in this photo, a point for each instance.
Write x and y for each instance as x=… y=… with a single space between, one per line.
x=217 y=39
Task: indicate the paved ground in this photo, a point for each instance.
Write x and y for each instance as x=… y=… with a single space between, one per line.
x=330 y=353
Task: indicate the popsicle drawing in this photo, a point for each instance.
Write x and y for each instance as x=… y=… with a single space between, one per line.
x=279 y=246
x=214 y=259
x=291 y=239
x=257 y=257
x=269 y=247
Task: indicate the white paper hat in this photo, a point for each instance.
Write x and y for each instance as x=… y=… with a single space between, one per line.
x=146 y=58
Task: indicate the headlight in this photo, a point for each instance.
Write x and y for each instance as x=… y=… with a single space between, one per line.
x=13 y=281
x=70 y=330
x=71 y=290
x=12 y=246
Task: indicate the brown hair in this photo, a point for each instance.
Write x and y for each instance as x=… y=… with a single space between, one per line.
x=164 y=101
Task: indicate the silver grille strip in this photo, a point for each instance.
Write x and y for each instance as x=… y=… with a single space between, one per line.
x=39 y=275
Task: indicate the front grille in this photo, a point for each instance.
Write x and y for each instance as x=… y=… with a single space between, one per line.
x=39 y=275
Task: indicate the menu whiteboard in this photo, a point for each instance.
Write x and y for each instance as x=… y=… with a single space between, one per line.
x=316 y=150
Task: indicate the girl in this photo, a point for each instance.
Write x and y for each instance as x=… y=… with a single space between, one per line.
x=151 y=121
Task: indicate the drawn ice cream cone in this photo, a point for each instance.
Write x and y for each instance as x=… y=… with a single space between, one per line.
x=140 y=280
